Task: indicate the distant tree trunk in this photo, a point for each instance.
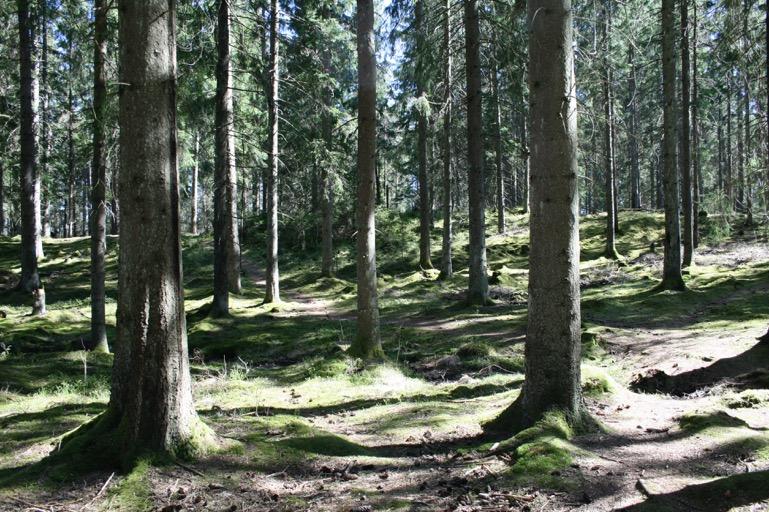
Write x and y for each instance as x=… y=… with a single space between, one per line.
x=498 y=143
x=553 y=333
x=635 y=166
x=686 y=163
x=45 y=128
x=115 y=204
x=478 y=285
x=226 y=243
x=608 y=138
x=99 y=181
x=151 y=400
x=696 y=171
x=671 y=274
x=721 y=156
x=367 y=343
x=729 y=161
x=425 y=211
x=525 y=156
x=30 y=278
x=2 y=200
x=194 y=200
x=744 y=193
x=766 y=186
x=447 y=270
x=740 y=196
x=326 y=190
x=272 y=292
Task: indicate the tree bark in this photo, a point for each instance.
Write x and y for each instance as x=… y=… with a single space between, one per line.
x=151 y=401
x=325 y=188
x=766 y=66
x=195 y=186
x=608 y=137
x=30 y=278
x=696 y=168
x=425 y=211
x=367 y=343
x=500 y=199
x=272 y=292
x=729 y=162
x=226 y=243
x=447 y=270
x=685 y=145
x=45 y=128
x=635 y=166
x=671 y=273
x=553 y=332
x=99 y=179
x=2 y=200
x=478 y=285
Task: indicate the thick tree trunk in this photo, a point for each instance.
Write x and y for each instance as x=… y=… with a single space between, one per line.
x=272 y=292
x=608 y=137
x=447 y=270
x=425 y=210
x=30 y=278
x=685 y=145
x=367 y=343
x=45 y=128
x=151 y=400
x=226 y=243
x=99 y=180
x=2 y=200
x=195 y=186
x=553 y=332
x=478 y=285
x=635 y=165
x=671 y=274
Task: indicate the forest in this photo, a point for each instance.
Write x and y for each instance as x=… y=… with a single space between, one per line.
x=384 y=255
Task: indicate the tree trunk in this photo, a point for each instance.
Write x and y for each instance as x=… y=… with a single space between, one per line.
x=696 y=170
x=194 y=199
x=272 y=292
x=553 y=332
x=686 y=160
x=729 y=161
x=500 y=199
x=526 y=157
x=367 y=343
x=226 y=244
x=151 y=401
x=45 y=127
x=99 y=180
x=325 y=188
x=425 y=211
x=608 y=137
x=30 y=278
x=635 y=166
x=671 y=274
x=478 y=285
x=766 y=186
x=447 y=270
x=2 y=200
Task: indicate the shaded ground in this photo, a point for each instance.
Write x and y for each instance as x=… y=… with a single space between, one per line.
x=315 y=431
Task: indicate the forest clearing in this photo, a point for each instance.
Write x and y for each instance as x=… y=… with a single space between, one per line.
x=309 y=429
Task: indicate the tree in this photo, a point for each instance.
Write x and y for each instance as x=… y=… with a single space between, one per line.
x=325 y=188
x=446 y=264
x=99 y=180
x=367 y=343
x=478 y=283
x=671 y=272
x=608 y=110
x=226 y=244
x=29 y=191
x=633 y=136
x=685 y=145
x=425 y=211
x=500 y=189
x=195 y=187
x=272 y=293
x=150 y=405
x=552 y=379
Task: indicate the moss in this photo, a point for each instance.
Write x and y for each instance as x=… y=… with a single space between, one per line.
x=715 y=423
x=134 y=492
x=749 y=399
x=596 y=381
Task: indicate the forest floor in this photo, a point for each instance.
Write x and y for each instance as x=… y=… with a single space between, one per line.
x=677 y=381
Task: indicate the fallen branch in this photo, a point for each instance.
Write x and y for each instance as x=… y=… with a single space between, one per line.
x=191 y=470
x=103 y=487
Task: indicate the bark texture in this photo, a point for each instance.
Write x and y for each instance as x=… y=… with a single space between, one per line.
x=30 y=234
x=325 y=188
x=478 y=283
x=447 y=270
x=686 y=156
x=367 y=343
x=608 y=137
x=671 y=272
x=553 y=331
x=425 y=209
x=272 y=293
x=151 y=400
x=99 y=180
x=226 y=243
